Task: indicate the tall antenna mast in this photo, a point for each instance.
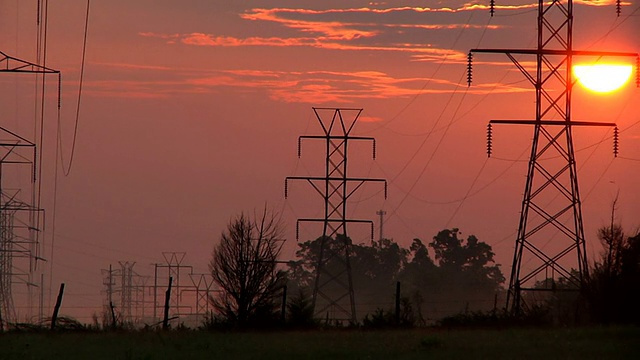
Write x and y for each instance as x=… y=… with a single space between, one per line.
x=550 y=238
x=333 y=289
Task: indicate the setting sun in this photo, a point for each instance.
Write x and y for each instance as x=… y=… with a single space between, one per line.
x=602 y=78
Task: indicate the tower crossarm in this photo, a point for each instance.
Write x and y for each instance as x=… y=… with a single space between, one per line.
x=559 y=52
x=552 y=122
x=542 y=53
x=11 y=64
x=317 y=179
x=337 y=137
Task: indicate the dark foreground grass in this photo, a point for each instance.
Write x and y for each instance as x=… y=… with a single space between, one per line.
x=576 y=343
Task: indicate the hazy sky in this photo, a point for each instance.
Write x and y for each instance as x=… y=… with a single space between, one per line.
x=191 y=111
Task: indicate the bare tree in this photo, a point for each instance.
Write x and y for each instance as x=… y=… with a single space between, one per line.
x=244 y=267
x=612 y=238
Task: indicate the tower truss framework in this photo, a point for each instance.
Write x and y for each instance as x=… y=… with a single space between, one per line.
x=550 y=241
x=333 y=295
x=20 y=213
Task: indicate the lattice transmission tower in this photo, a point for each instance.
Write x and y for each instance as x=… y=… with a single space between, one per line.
x=175 y=269
x=550 y=240
x=333 y=296
x=20 y=220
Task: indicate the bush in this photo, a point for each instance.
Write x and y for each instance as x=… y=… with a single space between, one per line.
x=387 y=318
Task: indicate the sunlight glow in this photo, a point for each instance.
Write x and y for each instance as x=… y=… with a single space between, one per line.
x=602 y=78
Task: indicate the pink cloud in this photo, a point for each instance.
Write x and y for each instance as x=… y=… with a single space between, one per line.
x=599 y=2
x=132 y=66
x=200 y=39
x=365 y=118
x=314 y=87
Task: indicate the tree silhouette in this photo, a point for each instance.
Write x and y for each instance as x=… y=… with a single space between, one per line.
x=611 y=288
x=472 y=259
x=243 y=265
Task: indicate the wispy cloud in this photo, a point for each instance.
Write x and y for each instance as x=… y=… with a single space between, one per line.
x=600 y=2
x=132 y=66
x=314 y=87
x=359 y=29
x=428 y=51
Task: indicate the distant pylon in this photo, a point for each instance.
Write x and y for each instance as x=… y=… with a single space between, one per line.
x=551 y=230
x=126 y=287
x=176 y=270
x=333 y=295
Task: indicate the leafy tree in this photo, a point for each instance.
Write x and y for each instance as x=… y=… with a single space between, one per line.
x=463 y=272
x=461 y=275
x=374 y=268
x=243 y=265
x=420 y=275
x=473 y=259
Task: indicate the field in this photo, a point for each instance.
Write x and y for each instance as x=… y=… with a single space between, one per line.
x=576 y=343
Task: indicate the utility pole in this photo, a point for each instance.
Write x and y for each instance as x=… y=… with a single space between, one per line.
x=109 y=282
x=155 y=292
x=381 y=213
x=333 y=288
x=550 y=240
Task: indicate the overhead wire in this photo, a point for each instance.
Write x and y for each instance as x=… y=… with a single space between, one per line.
x=67 y=169
x=447 y=127
x=466 y=195
x=58 y=145
x=435 y=124
x=616 y=23
x=463 y=115
x=424 y=86
x=42 y=22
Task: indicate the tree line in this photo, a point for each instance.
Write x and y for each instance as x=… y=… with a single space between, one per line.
x=452 y=274
x=451 y=271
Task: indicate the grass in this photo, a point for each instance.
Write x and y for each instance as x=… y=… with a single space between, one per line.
x=574 y=343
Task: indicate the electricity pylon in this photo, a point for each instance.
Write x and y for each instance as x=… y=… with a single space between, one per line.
x=126 y=287
x=333 y=289
x=20 y=219
x=550 y=231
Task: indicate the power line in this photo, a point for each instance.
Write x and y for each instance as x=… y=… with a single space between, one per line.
x=67 y=171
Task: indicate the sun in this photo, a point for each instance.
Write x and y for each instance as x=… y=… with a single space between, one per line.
x=602 y=78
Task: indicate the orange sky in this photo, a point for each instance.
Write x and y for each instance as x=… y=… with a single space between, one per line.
x=191 y=111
